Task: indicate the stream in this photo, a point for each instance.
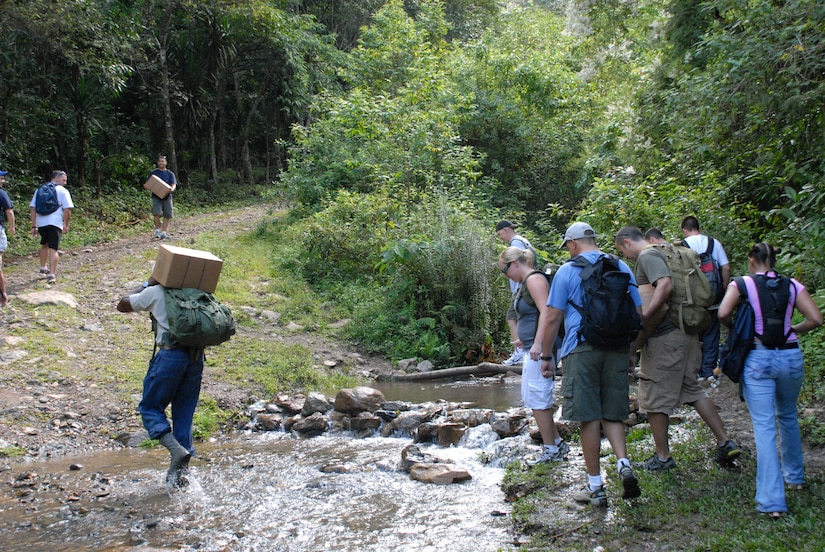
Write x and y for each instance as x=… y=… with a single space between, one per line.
x=267 y=491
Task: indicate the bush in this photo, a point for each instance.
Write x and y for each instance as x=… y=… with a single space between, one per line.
x=419 y=281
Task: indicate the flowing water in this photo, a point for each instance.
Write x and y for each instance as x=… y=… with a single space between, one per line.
x=267 y=491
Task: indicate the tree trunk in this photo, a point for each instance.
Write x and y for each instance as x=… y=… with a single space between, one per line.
x=483 y=369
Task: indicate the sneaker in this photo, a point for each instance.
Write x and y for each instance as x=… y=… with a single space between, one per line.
x=700 y=379
x=515 y=358
x=164 y=236
x=546 y=457
x=50 y=279
x=44 y=271
x=727 y=453
x=654 y=464
x=596 y=497
x=630 y=485
x=157 y=233
x=564 y=448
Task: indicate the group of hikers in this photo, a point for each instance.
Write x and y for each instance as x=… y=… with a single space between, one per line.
x=600 y=319
x=50 y=211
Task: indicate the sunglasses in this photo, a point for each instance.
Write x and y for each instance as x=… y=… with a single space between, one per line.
x=506 y=268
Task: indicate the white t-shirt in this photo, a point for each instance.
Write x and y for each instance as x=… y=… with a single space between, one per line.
x=153 y=299
x=64 y=199
x=699 y=243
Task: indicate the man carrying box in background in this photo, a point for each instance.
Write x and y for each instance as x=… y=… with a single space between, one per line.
x=163 y=206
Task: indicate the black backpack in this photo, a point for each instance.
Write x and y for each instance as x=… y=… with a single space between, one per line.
x=46 y=202
x=774 y=295
x=609 y=316
x=711 y=269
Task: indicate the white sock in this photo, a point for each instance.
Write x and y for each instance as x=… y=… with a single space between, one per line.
x=552 y=448
x=622 y=462
x=595 y=481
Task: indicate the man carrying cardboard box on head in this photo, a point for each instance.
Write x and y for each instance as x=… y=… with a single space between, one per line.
x=162 y=204
x=185 y=320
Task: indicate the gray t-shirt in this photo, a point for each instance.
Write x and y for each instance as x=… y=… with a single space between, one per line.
x=153 y=299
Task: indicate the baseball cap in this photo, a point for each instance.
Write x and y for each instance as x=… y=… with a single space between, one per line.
x=505 y=224
x=4 y=173
x=577 y=231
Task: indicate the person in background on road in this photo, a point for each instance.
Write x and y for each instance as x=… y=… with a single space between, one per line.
x=52 y=227
x=163 y=207
x=710 y=336
x=174 y=377
x=595 y=388
x=670 y=359
x=771 y=382
x=536 y=388
x=507 y=233
x=6 y=230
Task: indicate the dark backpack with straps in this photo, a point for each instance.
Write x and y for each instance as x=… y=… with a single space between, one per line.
x=45 y=201
x=774 y=295
x=739 y=342
x=196 y=318
x=609 y=316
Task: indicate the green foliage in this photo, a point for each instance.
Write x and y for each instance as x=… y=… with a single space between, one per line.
x=12 y=452
x=420 y=281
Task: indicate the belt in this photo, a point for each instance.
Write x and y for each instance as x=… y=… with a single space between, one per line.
x=166 y=347
x=783 y=347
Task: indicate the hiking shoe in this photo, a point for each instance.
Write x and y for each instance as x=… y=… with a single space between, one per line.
x=515 y=358
x=44 y=271
x=564 y=448
x=630 y=485
x=727 y=453
x=157 y=233
x=654 y=464
x=586 y=496
x=50 y=279
x=164 y=236
x=546 y=457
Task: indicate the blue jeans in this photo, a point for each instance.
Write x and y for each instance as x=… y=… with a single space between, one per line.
x=172 y=378
x=772 y=380
x=710 y=346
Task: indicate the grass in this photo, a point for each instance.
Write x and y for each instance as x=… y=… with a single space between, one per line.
x=696 y=506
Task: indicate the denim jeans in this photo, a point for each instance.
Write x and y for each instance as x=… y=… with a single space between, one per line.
x=710 y=346
x=772 y=380
x=172 y=378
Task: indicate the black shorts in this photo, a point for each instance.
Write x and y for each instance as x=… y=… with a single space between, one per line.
x=50 y=235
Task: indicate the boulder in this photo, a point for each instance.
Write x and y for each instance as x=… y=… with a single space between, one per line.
x=439 y=474
x=315 y=402
x=450 y=434
x=269 y=422
x=508 y=424
x=358 y=399
x=311 y=426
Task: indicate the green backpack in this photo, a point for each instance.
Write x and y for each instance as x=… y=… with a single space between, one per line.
x=692 y=295
x=196 y=319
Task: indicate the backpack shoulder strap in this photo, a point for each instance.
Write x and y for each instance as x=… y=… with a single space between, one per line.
x=709 y=250
x=742 y=286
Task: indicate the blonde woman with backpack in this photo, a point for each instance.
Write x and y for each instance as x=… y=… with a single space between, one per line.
x=530 y=304
x=773 y=374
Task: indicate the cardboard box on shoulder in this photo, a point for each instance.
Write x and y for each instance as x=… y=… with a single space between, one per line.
x=179 y=267
x=157 y=186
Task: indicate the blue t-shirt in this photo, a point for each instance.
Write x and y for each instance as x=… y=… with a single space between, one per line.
x=567 y=287
x=166 y=175
x=5 y=204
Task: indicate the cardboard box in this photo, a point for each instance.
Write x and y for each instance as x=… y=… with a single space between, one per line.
x=178 y=267
x=157 y=186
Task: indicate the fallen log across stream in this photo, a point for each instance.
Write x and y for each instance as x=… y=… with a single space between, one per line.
x=483 y=369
